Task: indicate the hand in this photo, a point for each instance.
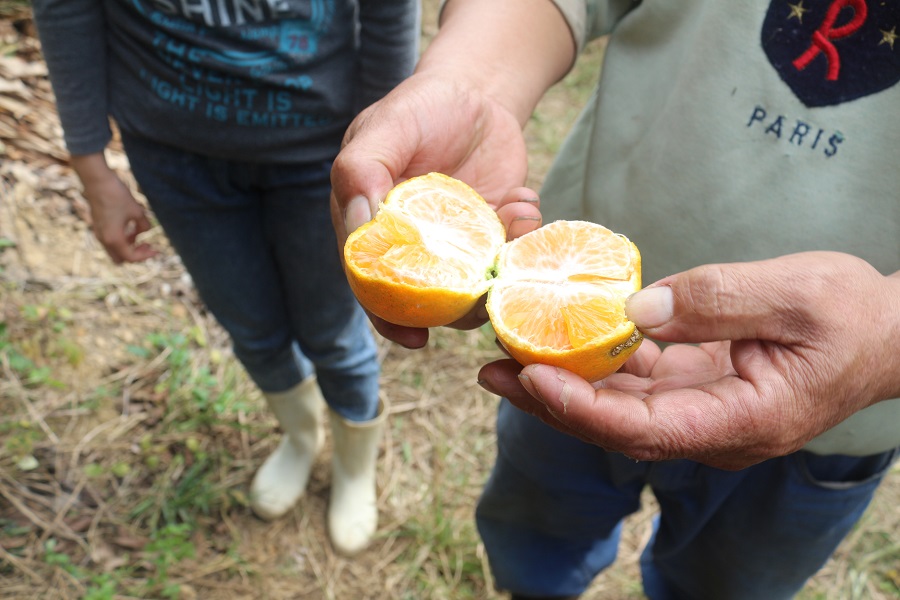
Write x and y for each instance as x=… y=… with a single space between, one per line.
x=461 y=113
x=426 y=124
x=814 y=338
x=415 y=130
x=117 y=219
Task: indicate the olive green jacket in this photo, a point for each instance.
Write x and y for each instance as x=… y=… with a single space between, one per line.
x=737 y=131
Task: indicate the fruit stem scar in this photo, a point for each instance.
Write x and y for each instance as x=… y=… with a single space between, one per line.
x=634 y=339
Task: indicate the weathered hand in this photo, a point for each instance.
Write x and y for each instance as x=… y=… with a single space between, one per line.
x=461 y=114
x=429 y=124
x=814 y=338
x=425 y=124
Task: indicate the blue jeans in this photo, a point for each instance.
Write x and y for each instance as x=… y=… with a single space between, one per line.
x=551 y=514
x=257 y=240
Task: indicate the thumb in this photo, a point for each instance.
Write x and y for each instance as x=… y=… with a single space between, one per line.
x=520 y=212
x=358 y=186
x=714 y=302
x=364 y=171
x=142 y=223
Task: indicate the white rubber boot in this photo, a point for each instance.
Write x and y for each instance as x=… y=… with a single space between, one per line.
x=282 y=479
x=352 y=510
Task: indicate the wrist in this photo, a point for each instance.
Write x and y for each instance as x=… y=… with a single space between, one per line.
x=509 y=50
x=91 y=169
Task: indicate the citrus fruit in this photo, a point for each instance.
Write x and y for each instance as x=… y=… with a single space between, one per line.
x=427 y=256
x=554 y=296
x=559 y=298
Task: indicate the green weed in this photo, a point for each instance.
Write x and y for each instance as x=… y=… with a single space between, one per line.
x=100 y=586
x=442 y=558
x=19 y=440
x=200 y=398
x=39 y=344
x=170 y=545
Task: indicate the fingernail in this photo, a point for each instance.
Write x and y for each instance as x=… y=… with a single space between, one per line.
x=651 y=307
x=487 y=386
x=530 y=200
x=357 y=213
x=526 y=382
x=522 y=225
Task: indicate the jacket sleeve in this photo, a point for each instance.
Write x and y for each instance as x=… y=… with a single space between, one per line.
x=388 y=46
x=590 y=19
x=73 y=40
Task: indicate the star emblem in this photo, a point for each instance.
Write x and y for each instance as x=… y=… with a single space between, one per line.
x=889 y=37
x=797 y=11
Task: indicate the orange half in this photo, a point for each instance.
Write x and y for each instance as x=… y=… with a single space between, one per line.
x=559 y=298
x=428 y=255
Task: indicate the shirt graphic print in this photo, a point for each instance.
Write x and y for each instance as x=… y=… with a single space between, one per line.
x=834 y=51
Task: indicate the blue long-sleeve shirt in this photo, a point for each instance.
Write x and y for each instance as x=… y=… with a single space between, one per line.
x=263 y=80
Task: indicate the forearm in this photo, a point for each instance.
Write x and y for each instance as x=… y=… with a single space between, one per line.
x=893 y=320
x=73 y=41
x=512 y=50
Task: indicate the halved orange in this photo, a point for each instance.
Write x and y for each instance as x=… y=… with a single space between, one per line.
x=554 y=296
x=427 y=256
x=559 y=298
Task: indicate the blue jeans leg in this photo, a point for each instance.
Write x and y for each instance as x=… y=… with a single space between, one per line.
x=755 y=534
x=329 y=325
x=259 y=245
x=551 y=512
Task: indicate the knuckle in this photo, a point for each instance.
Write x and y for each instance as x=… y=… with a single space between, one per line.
x=707 y=288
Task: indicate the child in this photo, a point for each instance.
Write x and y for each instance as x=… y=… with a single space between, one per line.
x=231 y=113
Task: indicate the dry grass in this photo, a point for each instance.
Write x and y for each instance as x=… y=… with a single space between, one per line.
x=129 y=434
